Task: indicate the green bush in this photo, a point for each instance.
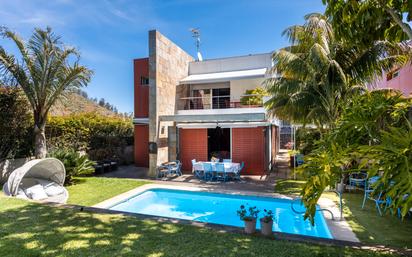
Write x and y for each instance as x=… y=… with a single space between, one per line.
x=373 y=134
x=75 y=163
x=99 y=136
x=16 y=126
x=306 y=139
x=256 y=99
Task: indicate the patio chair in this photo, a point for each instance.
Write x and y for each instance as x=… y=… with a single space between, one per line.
x=162 y=171
x=220 y=172
x=176 y=168
x=370 y=187
x=227 y=160
x=299 y=159
x=357 y=179
x=207 y=171
x=198 y=173
x=239 y=171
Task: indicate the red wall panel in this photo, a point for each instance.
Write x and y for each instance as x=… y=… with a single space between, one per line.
x=248 y=145
x=141 y=145
x=192 y=145
x=141 y=92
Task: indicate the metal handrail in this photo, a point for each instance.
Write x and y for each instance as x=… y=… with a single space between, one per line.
x=324 y=209
x=218 y=102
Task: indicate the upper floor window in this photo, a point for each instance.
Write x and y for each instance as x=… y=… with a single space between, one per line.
x=144 y=80
x=392 y=74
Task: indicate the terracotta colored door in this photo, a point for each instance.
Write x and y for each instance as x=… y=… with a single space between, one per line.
x=248 y=145
x=192 y=145
x=141 y=145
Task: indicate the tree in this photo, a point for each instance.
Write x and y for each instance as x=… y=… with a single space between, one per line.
x=102 y=102
x=15 y=126
x=313 y=77
x=47 y=71
x=370 y=20
x=373 y=134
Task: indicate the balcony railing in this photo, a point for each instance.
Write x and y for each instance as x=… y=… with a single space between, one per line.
x=220 y=102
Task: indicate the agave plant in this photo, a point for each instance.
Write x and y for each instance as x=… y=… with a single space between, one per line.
x=75 y=163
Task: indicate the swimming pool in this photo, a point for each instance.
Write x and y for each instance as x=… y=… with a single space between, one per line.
x=220 y=209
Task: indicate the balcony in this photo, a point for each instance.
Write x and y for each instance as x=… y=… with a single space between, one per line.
x=223 y=104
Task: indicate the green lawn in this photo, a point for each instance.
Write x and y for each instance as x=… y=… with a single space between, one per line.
x=89 y=191
x=367 y=224
x=30 y=229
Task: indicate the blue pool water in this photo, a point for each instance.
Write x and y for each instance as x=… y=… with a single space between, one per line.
x=221 y=209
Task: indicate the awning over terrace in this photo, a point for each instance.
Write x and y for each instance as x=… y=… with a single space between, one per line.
x=223 y=76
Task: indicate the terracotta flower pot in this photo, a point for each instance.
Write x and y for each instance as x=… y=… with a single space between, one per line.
x=266 y=227
x=250 y=225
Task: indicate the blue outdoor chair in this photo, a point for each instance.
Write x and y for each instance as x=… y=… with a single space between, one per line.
x=299 y=159
x=227 y=160
x=239 y=171
x=162 y=171
x=220 y=172
x=207 y=171
x=198 y=173
x=370 y=187
x=357 y=179
x=176 y=169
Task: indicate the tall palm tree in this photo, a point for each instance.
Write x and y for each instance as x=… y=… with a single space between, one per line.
x=315 y=75
x=48 y=69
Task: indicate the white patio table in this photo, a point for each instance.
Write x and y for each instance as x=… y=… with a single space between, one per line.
x=230 y=167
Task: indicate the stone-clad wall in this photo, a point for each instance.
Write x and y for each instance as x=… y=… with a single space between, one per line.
x=168 y=64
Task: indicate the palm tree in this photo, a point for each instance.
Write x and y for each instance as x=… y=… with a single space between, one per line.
x=315 y=75
x=47 y=71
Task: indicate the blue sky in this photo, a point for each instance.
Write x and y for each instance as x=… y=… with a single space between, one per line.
x=111 y=33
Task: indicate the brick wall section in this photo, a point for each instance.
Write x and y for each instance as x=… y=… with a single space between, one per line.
x=192 y=145
x=141 y=92
x=248 y=145
x=168 y=64
x=141 y=142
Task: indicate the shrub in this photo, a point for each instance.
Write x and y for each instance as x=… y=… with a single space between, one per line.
x=16 y=126
x=99 y=136
x=256 y=97
x=306 y=139
x=75 y=163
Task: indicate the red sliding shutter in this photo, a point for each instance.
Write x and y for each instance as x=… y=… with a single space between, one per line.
x=248 y=145
x=192 y=145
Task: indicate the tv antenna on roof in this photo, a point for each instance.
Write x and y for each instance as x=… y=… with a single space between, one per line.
x=196 y=35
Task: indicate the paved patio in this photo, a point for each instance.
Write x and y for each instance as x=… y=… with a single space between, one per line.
x=264 y=183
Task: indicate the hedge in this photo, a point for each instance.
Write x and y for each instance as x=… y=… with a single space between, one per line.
x=99 y=136
x=16 y=129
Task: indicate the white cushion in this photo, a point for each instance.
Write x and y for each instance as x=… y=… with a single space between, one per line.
x=51 y=188
x=36 y=192
x=54 y=190
x=21 y=194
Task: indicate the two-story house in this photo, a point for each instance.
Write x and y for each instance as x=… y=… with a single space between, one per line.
x=399 y=78
x=187 y=109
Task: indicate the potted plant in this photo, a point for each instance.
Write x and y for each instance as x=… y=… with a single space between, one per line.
x=266 y=223
x=249 y=216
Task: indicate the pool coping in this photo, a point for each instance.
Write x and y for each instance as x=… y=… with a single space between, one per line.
x=339 y=229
